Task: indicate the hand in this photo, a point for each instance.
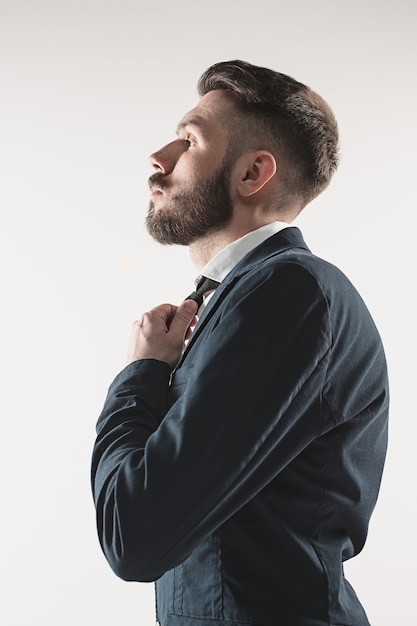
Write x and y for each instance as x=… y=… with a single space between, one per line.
x=161 y=333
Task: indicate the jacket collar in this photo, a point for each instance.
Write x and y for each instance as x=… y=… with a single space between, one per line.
x=286 y=239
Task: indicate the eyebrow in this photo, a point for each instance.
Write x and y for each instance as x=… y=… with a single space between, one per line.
x=196 y=121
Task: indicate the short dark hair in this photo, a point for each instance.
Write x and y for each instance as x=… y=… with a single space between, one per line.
x=284 y=116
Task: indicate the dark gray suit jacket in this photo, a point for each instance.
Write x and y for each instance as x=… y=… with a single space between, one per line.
x=243 y=483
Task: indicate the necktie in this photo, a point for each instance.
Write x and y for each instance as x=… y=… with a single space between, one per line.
x=203 y=286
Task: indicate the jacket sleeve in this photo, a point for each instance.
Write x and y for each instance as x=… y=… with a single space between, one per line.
x=172 y=462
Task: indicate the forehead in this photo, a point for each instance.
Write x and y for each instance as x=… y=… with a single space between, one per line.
x=213 y=111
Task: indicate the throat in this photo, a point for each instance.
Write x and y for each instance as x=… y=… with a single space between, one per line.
x=205 y=248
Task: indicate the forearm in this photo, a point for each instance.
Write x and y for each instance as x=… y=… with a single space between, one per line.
x=134 y=407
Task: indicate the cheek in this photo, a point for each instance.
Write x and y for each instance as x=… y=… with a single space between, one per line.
x=197 y=166
x=187 y=174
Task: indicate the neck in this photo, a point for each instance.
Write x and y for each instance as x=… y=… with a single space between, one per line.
x=206 y=247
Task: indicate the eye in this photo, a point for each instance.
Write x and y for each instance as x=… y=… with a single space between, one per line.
x=189 y=141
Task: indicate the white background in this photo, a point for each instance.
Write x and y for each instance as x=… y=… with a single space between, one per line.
x=88 y=88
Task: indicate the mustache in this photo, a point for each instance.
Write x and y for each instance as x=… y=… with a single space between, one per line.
x=157 y=180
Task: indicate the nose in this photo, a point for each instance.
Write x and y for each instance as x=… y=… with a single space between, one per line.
x=165 y=159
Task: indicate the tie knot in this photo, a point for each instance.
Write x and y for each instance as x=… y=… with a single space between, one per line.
x=203 y=286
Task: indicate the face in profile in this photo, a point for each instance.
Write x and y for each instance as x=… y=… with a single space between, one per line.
x=191 y=185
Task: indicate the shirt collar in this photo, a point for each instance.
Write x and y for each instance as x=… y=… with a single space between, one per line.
x=225 y=260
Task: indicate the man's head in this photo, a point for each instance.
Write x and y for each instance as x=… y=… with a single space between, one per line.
x=279 y=114
x=257 y=138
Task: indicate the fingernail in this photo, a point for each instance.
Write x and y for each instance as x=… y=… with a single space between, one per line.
x=190 y=306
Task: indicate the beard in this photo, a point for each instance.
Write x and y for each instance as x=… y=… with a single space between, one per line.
x=192 y=213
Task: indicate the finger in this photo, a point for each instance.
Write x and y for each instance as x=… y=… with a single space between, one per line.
x=191 y=328
x=159 y=316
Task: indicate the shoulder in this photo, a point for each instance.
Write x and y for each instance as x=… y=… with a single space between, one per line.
x=286 y=254
x=292 y=270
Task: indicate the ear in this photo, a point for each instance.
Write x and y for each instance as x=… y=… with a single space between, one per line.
x=257 y=168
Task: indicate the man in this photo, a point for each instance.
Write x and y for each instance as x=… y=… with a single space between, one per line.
x=239 y=458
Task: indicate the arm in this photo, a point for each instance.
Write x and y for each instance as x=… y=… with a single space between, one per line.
x=164 y=478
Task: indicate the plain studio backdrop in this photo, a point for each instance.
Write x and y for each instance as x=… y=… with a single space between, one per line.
x=89 y=88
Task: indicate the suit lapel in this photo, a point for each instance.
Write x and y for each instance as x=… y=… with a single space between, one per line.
x=286 y=239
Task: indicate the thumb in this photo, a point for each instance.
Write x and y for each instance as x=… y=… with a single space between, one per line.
x=187 y=310
x=183 y=317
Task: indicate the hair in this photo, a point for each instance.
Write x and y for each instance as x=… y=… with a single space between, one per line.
x=280 y=114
